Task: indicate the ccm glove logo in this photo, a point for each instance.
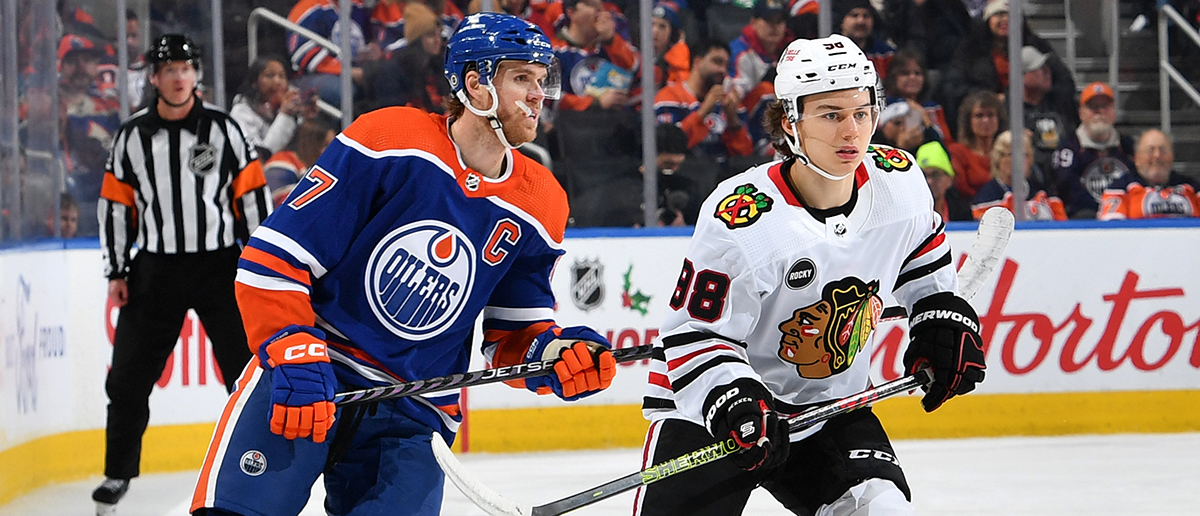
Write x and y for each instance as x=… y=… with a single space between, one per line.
x=948 y=315
x=315 y=350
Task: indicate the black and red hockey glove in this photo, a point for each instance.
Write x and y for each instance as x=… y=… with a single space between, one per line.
x=944 y=333
x=742 y=410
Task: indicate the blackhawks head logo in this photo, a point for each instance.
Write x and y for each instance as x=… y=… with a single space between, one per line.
x=823 y=338
x=743 y=207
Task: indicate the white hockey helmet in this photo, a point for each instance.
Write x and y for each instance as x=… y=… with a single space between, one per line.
x=812 y=66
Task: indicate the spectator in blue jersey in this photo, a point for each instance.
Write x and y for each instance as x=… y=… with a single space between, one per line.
x=703 y=107
x=318 y=67
x=390 y=18
x=597 y=63
x=755 y=52
x=859 y=21
x=1096 y=155
x=1051 y=118
x=1040 y=201
x=408 y=229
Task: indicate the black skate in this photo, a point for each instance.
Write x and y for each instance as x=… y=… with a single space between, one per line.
x=108 y=494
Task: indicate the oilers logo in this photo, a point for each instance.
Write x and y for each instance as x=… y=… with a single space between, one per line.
x=253 y=463
x=419 y=277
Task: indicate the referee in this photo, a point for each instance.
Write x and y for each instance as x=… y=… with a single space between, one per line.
x=183 y=184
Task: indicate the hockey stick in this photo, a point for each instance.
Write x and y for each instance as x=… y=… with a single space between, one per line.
x=995 y=228
x=496 y=505
x=472 y=378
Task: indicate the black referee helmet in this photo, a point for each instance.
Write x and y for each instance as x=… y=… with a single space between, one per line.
x=173 y=47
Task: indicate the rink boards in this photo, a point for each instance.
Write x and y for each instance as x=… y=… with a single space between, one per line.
x=1092 y=328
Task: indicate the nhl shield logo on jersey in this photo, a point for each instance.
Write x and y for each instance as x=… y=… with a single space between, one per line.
x=419 y=277
x=823 y=338
x=587 y=284
x=889 y=159
x=202 y=158
x=743 y=207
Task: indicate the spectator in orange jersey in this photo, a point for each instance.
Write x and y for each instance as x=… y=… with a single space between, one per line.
x=597 y=63
x=1153 y=190
x=713 y=125
x=672 y=58
x=388 y=21
x=998 y=192
x=979 y=120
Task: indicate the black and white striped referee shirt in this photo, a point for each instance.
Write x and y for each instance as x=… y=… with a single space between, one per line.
x=180 y=186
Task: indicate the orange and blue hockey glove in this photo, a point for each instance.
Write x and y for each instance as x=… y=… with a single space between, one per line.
x=585 y=365
x=303 y=382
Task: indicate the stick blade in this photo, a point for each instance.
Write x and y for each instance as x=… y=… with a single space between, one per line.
x=490 y=501
x=995 y=228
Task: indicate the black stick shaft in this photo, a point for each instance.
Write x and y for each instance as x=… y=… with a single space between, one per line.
x=720 y=450
x=472 y=378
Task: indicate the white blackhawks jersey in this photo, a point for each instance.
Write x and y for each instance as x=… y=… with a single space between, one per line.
x=770 y=292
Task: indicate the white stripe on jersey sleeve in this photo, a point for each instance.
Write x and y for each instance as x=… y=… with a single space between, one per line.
x=290 y=246
x=246 y=277
x=518 y=314
x=394 y=153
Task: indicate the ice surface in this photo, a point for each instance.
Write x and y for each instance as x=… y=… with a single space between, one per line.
x=1020 y=476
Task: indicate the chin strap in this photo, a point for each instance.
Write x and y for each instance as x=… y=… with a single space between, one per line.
x=172 y=104
x=794 y=144
x=490 y=114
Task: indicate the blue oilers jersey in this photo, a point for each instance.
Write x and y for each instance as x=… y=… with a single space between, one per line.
x=394 y=248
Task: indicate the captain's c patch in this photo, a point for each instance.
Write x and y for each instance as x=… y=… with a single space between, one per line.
x=743 y=207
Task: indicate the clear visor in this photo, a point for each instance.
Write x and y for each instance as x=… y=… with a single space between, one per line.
x=552 y=85
x=863 y=116
x=532 y=77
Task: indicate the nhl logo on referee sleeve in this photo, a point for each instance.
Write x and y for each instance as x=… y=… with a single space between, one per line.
x=202 y=158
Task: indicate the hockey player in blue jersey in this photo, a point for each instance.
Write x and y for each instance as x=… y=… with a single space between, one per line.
x=374 y=271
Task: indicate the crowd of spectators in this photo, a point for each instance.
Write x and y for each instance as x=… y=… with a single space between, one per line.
x=943 y=63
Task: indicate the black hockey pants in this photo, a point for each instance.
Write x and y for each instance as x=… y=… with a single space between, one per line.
x=162 y=287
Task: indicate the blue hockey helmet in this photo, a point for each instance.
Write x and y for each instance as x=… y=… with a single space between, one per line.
x=484 y=39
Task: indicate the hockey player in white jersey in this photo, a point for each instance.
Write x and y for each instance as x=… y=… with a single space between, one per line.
x=782 y=285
